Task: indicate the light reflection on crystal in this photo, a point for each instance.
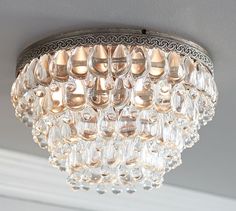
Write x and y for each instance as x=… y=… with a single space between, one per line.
x=114 y=117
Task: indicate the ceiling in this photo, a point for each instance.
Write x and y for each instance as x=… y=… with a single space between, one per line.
x=210 y=165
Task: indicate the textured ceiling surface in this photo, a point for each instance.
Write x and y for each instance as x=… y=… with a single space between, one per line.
x=210 y=165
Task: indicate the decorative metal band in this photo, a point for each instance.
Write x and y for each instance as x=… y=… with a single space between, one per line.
x=131 y=37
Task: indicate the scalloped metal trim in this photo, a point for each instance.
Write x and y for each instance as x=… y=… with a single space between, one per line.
x=131 y=37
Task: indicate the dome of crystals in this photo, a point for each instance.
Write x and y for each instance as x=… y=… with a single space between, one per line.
x=114 y=117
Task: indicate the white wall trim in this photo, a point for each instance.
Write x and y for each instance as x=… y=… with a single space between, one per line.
x=31 y=178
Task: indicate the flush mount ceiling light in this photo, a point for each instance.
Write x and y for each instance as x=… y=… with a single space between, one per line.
x=114 y=108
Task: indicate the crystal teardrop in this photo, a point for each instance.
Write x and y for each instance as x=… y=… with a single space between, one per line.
x=110 y=83
x=99 y=94
x=107 y=122
x=87 y=124
x=189 y=68
x=163 y=96
x=99 y=60
x=127 y=122
x=75 y=162
x=147 y=124
x=120 y=60
x=55 y=97
x=93 y=155
x=75 y=96
x=157 y=64
x=129 y=81
x=77 y=65
x=41 y=71
x=138 y=65
x=142 y=93
x=29 y=79
x=58 y=66
x=200 y=77
x=120 y=95
x=54 y=137
x=176 y=69
x=178 y=97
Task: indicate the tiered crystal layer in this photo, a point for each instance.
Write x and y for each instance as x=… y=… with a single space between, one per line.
x=114 y=116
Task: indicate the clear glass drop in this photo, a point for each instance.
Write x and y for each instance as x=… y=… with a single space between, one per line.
x=41 y=72
x=116 y=189
x=142 y=96
x=120 y=95
x=189 y=68
x=54 y=137
x=176 y=68
x=101 y=189
x=93 y=155
x=120 y=60
x=178 y=97
x=193 y=77
x=110 y=83
x=130 y=154
x=75 y=94
x=131 y=189
x=75 y=161
x=147 y=185
x=99 y=60
x=138 y=65
x=58 y=66
x=55 y=97
x=163 y=96
x=87 y=124
x=77 y=65
x=188 y=108
x=147 y=124
x=137 y=173
x=107 y=122
x=65 y=130
x=129 y=81
x=157 y=64
x=17 y=90
x=200 y=77
x=29 y=79
x=99 y=95
x=110 y=155
x=89 y=81
x=127 y=122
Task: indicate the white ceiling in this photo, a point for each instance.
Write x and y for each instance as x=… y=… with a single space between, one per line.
x=210 y=165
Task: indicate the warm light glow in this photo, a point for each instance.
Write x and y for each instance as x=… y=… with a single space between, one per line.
x=114 y=116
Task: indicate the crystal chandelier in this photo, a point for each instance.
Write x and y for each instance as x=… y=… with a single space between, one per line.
x=114 y=108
